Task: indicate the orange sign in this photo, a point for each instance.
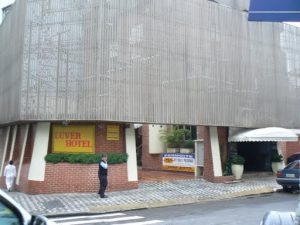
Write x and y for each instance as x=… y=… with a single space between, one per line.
x=73 y=139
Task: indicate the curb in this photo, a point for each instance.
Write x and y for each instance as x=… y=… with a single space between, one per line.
x=178 y=201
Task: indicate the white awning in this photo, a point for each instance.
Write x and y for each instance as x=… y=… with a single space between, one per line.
x=263 y=134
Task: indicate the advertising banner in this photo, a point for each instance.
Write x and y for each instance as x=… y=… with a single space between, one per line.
x=274 y=10
x=73 y=139
x=178 y=162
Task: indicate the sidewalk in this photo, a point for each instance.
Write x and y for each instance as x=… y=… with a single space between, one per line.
x=151 y=194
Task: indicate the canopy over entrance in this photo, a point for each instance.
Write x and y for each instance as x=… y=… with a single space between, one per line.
x=262 y=134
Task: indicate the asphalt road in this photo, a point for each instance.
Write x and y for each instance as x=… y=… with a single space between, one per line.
x=239 y=211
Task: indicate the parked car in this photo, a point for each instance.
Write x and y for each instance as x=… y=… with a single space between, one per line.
x=279 y=218
x=289 y=177
x=293 y=157
x=13 y=213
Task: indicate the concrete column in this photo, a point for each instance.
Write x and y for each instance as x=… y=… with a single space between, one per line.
x=199 y=157
x=13 y=142
x=5 y=149
x=156 y=145
x=131 y=151
x=40 y=150
x=22 y=153
x=215 y=151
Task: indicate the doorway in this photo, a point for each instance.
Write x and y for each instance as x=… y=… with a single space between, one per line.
x=257 y=155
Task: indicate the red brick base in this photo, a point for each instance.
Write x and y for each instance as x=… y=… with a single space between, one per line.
x=68 y=178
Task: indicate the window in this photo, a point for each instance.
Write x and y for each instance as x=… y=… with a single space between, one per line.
x=7 y=216
x=192 y=129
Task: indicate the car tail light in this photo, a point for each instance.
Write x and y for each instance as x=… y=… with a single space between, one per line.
x=279 y=173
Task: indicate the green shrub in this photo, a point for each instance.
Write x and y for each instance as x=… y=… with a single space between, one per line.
x=189 y=144
x=227 y=170
x=114 y=158
x=175 y=138
x=276 y=157
x=83 y=158
x=57 y=158
x=238 y=160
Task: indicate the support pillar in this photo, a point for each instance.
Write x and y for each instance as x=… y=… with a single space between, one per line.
x=215 y=151
x=40 y=150
x=22 y=154
x=212 y=161
x=12 y=147
x=131 y=151
x=5 y=149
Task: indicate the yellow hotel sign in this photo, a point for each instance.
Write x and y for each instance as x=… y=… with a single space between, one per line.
x=73 y=139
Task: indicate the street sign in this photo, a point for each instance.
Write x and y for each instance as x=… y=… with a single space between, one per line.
x=274 y=10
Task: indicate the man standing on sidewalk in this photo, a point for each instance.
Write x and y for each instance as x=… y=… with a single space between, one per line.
x=102 y=174
x=10 y=173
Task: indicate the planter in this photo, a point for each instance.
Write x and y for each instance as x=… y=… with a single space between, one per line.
x=277 y=166
x=172 y=150
x=186 y=150
x=237 y=171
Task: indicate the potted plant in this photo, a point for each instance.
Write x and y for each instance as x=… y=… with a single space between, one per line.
x=277 y=162
x=237 y=166
x=174 y=139
x=188 y=147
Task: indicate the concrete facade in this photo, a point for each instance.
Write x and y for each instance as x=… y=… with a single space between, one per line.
x=104 y=61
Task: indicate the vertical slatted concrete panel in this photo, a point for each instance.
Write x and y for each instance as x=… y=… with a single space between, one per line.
x=11 y=62
x=180 y=62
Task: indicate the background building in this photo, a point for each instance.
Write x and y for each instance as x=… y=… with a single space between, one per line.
x=194 y=62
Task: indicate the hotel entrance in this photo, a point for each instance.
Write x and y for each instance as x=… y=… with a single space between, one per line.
x=257 y=155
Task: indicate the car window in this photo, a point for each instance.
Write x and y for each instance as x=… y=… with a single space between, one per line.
x=296 y=166
x=292 y=165
x=7 y=216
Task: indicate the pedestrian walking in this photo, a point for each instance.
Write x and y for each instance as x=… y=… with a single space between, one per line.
x=10 y=173
x=102 y=174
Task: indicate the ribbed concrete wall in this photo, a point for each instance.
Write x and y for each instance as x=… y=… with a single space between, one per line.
x=153 y=61
x=11 y=62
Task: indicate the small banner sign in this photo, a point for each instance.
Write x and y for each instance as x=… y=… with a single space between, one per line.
x=274 y=10
x=113 y=133
x=178 y=162
x=73 y=139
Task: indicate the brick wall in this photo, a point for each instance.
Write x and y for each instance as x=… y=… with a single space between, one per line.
x=103 y=145
x=149 y=161
x=289 y=148
x=65 y=177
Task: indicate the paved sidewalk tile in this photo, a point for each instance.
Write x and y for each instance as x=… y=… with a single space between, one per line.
x=152 y=194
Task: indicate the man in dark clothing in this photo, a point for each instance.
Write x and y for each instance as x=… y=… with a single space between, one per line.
x=102 y=174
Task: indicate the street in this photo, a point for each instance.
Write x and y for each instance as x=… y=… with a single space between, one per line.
x=240 y=211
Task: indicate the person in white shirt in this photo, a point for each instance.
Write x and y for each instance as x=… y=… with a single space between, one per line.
x=10 y=173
